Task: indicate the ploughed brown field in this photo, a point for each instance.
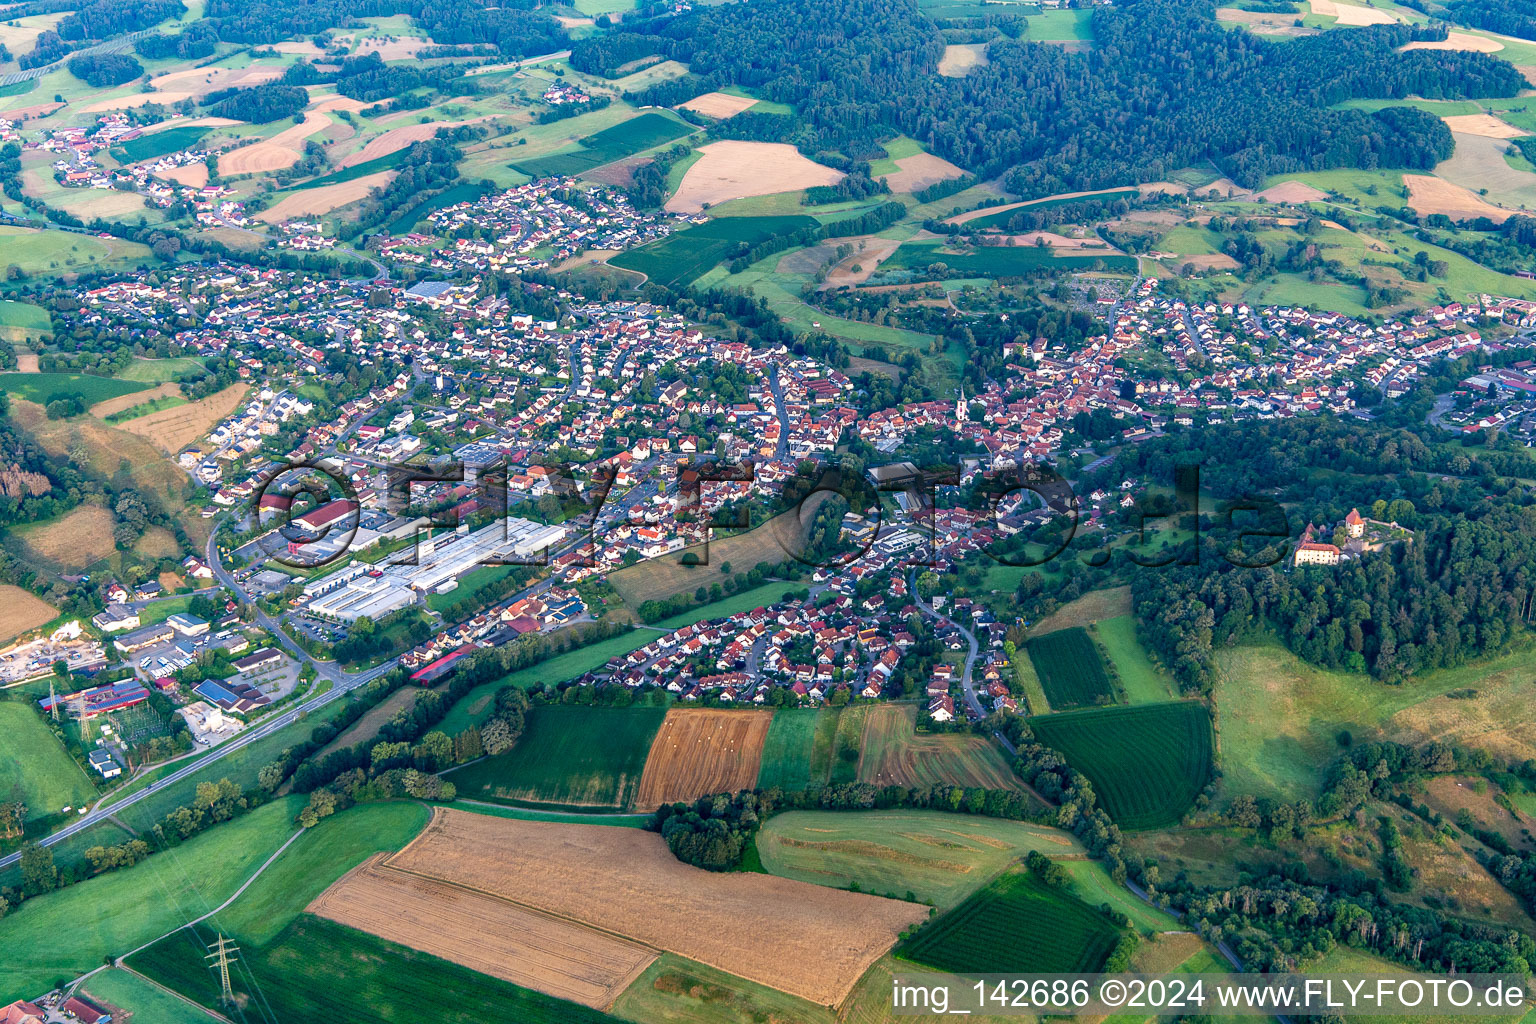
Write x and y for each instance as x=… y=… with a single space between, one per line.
x=803 y=939
x=699 y=751
x=485 y=933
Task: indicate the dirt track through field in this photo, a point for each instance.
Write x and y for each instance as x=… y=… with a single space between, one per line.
x=485 y=933
x=804 y=939
x=700 y=751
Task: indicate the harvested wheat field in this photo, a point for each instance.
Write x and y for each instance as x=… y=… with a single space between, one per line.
x=735 y=170
x=485 y=933
x=1350 y=14
x=1485 y=125
x=108 y=406
x=192 y=175
x=397 y=139
x=1264 y=24
x=720 y=105
x=960 y=58
x=303 y=48
x=314 y=201
x=196 y=82
x=700 y=751
x=1459 y=41
x=347 y=103
x=173 y=429
x=1428 y=194
x=32 y=113
x=76 y=540
x=803 y=939
x=21 y=610
x=1293 y=192
x=138 y=99
x=188 y=122
x=280 y=151
x=920 y=171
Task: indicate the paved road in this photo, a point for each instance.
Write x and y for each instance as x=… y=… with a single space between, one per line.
x=777 y=391
x=967 y=682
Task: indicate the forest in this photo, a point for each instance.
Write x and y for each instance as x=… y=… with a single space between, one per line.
x=1165 y=87
x=1510 y=17
x=1459 y=587
x=257 y=104
x=104 y=70
x=515 y=29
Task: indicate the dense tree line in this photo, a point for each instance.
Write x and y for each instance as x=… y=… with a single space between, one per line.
x=198 y=40
x=369 y=79
x=1165 y=86
x=104 y=70
x=103 y=19
x=257 y=104
x=605 y=54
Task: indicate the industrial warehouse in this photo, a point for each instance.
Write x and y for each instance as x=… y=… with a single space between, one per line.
x=366 y=590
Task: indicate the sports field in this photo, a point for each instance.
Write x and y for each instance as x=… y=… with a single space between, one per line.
x=933 y=854
x=35 y=769
x=568 y=758
x=615 y=143
x=684 y=255
x=1070 y=669
x=43 y=388
x=1015 y=925
x=319 y=970
x=1147 y=763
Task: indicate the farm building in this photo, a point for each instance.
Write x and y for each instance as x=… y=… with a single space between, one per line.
x=22 y=1012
